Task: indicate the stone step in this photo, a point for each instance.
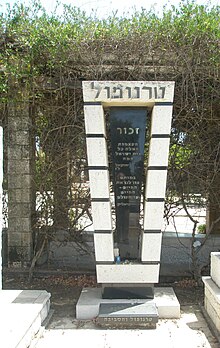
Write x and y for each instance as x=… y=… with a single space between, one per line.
x=90 y=299
x=128 y=315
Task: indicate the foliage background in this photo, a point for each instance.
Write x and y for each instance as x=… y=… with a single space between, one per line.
x=44 y=58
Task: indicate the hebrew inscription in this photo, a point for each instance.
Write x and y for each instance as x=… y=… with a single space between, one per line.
x=127 y=92
x=127 y=133
x=130 y=91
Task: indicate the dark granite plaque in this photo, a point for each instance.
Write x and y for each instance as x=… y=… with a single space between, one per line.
x=128 y=292
x=127 y=133
x=127 y=315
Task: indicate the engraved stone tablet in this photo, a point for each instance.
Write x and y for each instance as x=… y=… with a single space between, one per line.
x=128 y=131
x=127 y=315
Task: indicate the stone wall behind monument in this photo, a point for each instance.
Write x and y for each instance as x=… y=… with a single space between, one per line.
x=175 y=255
x=20 y=148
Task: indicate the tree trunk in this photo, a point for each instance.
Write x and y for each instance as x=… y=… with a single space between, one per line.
x=61 y=220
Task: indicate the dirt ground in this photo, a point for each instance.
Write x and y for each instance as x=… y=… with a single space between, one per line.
x=66 y=288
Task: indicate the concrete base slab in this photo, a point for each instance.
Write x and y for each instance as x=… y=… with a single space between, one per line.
x=165 y=300
x=22 y=315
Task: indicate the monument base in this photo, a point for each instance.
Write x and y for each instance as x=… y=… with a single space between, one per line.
x=165 y=300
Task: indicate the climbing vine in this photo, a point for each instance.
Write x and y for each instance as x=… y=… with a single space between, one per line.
x=49 y=56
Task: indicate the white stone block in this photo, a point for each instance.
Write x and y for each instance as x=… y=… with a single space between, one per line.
x=167 y=303
x=215 y=267
x=104 y=246
x=158 y=152
x=213 y=314
x=99 y=183
x=151 y=246
x=161 y=119
x=139 y=91
x=212 y=301
x=87 y=306
x=22 y=314
x=97 y=152
x=127 y=273
x=153 y=215
x=212 y=291
x=156 y=183
x=94 y=119
x=102 y=216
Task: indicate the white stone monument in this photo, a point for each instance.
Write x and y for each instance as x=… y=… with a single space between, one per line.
x=116 y=267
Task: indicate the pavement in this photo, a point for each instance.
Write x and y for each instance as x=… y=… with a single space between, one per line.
x=25 y=321
x=190 y=331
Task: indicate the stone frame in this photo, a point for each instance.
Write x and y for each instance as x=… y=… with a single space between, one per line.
x=98 y=95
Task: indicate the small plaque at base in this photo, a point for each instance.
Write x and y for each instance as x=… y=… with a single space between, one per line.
x=127 y=315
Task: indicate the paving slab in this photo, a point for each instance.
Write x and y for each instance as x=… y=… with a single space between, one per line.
x=190 y=330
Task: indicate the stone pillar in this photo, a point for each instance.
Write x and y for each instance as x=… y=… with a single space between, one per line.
x=20 y=180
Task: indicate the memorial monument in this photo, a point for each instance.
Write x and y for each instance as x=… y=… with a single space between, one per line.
x=124 y=121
